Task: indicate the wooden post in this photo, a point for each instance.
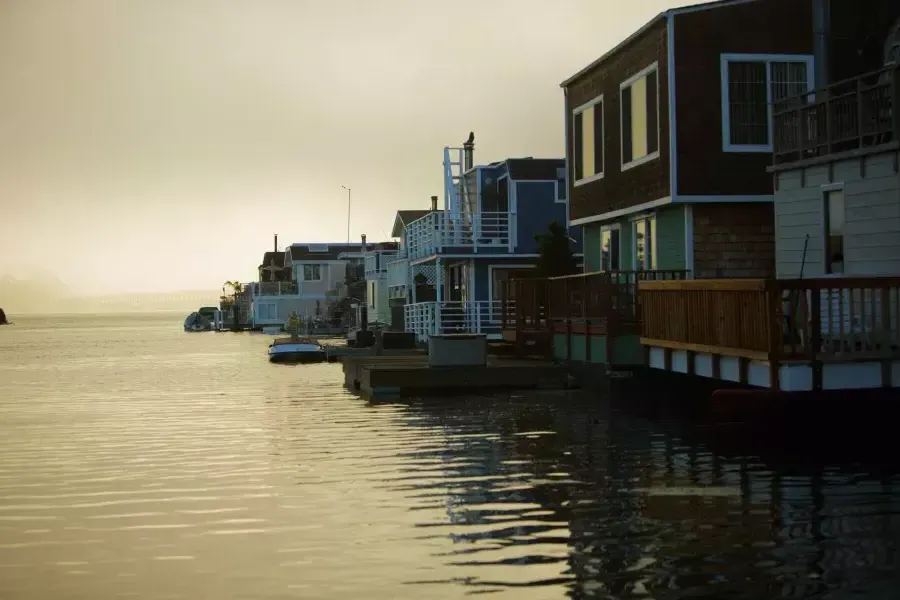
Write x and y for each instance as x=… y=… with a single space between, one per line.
x=815 y=338
x=776 y=337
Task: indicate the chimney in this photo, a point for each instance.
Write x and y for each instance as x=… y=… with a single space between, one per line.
x=276 y=242
x=363 y=237
x=469 y=151
x=434 y=203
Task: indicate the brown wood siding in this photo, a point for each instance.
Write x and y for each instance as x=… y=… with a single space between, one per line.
x=646 y=182
x=734 y=239
x=762 y=27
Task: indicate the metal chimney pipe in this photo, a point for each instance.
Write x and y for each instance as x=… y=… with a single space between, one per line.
x=469 y=152
x=434 y=202
x=276 y=242
x=363 y=236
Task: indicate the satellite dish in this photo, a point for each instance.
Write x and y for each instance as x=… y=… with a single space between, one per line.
x=892 y=46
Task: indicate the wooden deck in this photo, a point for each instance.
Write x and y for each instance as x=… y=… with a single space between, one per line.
x=404 y=375
x=789 y=327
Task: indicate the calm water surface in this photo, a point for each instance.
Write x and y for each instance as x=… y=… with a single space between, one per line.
x=140 y=461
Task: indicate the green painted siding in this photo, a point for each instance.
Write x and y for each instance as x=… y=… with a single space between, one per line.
x=626 y=349
x=591 y=248
x=670 y=238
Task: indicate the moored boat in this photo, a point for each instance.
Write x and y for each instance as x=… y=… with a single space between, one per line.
x=296 y=350
x=197 y=322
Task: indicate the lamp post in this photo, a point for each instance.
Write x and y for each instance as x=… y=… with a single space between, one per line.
x=348 y=212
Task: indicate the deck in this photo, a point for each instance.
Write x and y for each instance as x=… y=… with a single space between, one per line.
x=785 y=335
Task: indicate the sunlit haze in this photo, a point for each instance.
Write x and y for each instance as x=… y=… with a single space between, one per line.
x=156 y=146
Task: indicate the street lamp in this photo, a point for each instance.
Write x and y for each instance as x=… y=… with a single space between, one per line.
x=348 y=212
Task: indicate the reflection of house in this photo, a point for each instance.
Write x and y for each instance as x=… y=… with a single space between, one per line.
x=454 y=259
x=669 y=135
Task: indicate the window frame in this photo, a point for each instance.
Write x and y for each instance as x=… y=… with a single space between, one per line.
x=768 y=59
x=654 y=243
x=577 y=111
x=604 y=229
x=635 y=162
x=827 y=263
x=303 y=271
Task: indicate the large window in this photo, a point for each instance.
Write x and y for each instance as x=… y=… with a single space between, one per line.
x=639 y=112
x=312 y=272
x=609 y=248
x=750 y=84
x=834 y=231
x=644 y=235
x=587 y=141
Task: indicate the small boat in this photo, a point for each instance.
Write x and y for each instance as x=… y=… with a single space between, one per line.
x=296 y=350
x=197 y=322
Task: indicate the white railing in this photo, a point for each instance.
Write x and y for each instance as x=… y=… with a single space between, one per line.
x=431 y=318
x=440 y=231
x=274 y=288
x=377 y=263
x=398 y=273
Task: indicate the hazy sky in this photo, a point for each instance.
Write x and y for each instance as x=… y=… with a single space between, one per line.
x=158 y=144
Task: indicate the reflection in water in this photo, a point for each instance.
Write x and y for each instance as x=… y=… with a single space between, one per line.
x=140 y=461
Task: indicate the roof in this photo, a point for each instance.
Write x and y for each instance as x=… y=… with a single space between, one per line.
x=315 y=251
x=546 y=169
x=652 y=22
x=276 y=258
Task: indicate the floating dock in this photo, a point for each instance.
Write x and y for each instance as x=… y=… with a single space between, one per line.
x=409 y=374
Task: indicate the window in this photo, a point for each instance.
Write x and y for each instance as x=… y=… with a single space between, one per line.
x=645 y=244
x=750 y=84
x=312 y=272
x=834 y=231
x=267 y=311
x=609 y=248
x=639 y=113
x=587 y=141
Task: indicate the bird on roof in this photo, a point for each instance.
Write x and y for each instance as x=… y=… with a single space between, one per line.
x=471 y=139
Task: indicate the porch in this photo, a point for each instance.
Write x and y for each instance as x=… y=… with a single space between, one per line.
x=784 y=335
x=590 y=317
x=441 y=317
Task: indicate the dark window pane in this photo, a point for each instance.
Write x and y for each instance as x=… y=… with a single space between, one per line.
x=748 y=110
x=577 y=146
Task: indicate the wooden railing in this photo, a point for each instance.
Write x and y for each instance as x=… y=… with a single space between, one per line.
x=535 y=304
x=845 y=116
x=816 y=320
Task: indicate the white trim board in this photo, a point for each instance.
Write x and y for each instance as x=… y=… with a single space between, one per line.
x=634 y=162
x=580 y=110
x=768 y=59
x=615 y=214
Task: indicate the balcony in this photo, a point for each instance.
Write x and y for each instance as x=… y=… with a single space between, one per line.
x=846 y=117
x=433 y=318
x=376 y=263
x=397 y=275
x=783 y=326
x=440 y=232
x=274 y=288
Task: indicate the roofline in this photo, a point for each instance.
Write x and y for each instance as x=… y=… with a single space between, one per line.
x=652 y=22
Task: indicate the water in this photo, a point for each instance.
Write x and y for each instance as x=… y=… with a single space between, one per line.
x=140 y=461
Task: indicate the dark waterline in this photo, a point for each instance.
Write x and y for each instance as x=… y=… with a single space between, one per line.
x=140 y=461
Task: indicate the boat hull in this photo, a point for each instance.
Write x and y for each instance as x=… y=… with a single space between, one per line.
x=296 y=353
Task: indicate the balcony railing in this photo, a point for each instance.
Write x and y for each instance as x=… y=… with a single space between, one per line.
x=440 y=231
x=275 y=288
x=825 y=319
x=398 y=273
x=583 y=299
x=845 y=116
x=431 y=318
x=377 y=263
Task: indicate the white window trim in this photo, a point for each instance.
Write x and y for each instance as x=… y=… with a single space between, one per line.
x=627 y=83
x=654 y=242
x=610 y=227
x=727 y=146
x=303 y=271
x=576 y=111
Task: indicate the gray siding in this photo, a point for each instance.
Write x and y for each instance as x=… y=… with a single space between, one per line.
x=872 y=227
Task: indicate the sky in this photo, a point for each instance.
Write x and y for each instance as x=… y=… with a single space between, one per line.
x=156 y=145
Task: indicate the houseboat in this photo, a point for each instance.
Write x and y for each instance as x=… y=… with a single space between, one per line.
x=451 y=261
x=774 y=265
